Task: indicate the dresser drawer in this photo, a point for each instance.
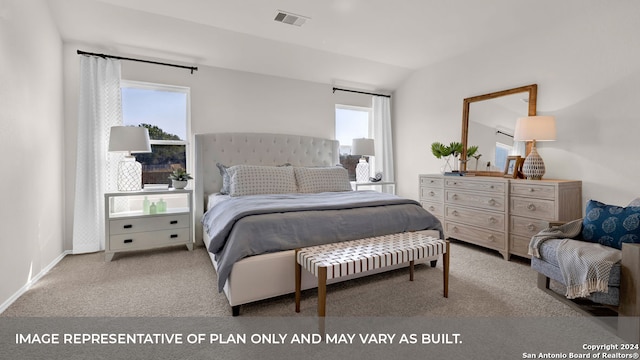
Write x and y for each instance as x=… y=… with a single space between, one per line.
x=491 y=239
x=519 y=245
x=140 y=224
x=535 y=208
x=483 y=186
x=436 y=209
x=149 y=239
x=489 y=202
x=485 y=219
x=432 y=194
x=538 y=191
x=527 y=226
x=431 y=181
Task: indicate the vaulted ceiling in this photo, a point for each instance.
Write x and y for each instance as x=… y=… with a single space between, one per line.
x=368 y=44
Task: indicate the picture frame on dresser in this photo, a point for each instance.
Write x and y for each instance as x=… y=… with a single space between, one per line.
x=513 y=167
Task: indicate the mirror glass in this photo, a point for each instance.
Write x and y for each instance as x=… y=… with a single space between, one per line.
x=489 y=122
x=491 y=126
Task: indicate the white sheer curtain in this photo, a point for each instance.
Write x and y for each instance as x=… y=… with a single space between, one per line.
x=383 y=160
x=96 y=169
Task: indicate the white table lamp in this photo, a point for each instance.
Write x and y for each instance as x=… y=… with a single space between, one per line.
x=363 y=147
x=535 y=128
x=131 y=139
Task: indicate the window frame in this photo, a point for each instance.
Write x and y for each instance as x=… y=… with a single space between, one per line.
x=169 y=88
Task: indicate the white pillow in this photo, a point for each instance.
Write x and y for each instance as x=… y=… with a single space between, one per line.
x=635 y=202
x=322 y=179
x=257 y=180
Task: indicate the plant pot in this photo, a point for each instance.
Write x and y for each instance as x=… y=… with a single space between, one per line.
x=179 y=184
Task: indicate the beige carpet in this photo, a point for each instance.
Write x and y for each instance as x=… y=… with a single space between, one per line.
x=176 y=282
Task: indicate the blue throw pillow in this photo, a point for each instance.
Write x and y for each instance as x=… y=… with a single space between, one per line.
x=611 y=225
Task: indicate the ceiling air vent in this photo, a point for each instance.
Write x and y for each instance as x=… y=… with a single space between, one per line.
x=289 y=18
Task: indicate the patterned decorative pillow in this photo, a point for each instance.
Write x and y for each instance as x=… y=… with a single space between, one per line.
x=257 y=180
x=225 y=178
x=322 y=179
x=635 y=202
x=611 y=225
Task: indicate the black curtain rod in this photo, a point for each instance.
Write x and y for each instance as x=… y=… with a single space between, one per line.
x=192 y=68
x=360 y=92
x=504 y=133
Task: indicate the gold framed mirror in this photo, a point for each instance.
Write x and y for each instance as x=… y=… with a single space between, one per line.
x=524 y=94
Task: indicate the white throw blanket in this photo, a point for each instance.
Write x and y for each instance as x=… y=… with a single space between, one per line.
x=585 y=266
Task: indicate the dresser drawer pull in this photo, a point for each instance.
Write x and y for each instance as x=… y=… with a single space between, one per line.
x=531 y=190
x=173 y=222
x=531 y=227
x=431 y=181
x=173 y=236
x=492 y=238
x=455 y=229
x=492 y=202
x=431 y=193
x=128 y=241
x=129 y=226
x=454 y=213
x=493 y=220
x=491 y=187
x=531 y=207
x=454 y=196
x=432 y=208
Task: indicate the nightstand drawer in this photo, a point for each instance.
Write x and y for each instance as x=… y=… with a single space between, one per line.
x=535 y=208
x=140 y=224
x=527 y=226
x=149 y=239
x=485 y=219
x=538 y=191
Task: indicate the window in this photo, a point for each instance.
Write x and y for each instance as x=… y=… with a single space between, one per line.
x=352 y=122
x=164 y=110
x=502 y=151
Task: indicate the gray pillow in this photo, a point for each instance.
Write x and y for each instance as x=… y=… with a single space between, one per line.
x=226 y=179
x=322 y=179
x=635 y=202
x=257 y=180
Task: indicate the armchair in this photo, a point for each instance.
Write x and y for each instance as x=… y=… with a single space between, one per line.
x=611 y=284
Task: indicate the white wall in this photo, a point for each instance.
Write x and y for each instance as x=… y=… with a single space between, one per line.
x=31 y=138
x=221 y=101
x=587 y=70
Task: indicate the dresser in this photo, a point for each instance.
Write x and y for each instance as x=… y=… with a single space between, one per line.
x=499 y=213
x=130 y=225
x=534 y=203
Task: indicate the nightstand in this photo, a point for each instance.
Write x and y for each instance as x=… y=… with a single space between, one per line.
x=130 y=225
x=380 y=186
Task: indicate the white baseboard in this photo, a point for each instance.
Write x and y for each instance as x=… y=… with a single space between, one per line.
x=35 y=279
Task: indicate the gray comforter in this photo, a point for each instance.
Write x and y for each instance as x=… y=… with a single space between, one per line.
x=251 y=225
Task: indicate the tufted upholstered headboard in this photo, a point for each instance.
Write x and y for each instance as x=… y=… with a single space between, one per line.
x=253 y=149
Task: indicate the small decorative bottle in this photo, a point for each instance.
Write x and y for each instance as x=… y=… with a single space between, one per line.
x=153 y=209
x=145 y=205
x=162 y=206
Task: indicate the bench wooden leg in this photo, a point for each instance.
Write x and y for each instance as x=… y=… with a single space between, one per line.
x=322 y=291
x=298 y=280
x=445 y=270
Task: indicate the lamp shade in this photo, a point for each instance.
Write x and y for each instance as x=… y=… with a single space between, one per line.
x=362 y=147
x=538 y=128
x=134 y=139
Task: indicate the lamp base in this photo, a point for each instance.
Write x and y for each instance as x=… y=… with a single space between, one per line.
x=129 y=174
x=533 y=167
x=362 y=171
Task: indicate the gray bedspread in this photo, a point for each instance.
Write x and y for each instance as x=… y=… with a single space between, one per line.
x=252 y=225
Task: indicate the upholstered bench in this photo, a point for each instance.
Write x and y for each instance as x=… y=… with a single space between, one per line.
x=341 y=259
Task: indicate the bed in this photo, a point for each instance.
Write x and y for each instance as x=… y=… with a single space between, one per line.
x=252 y=264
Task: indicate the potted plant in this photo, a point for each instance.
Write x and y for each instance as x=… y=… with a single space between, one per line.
x=179 y=178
